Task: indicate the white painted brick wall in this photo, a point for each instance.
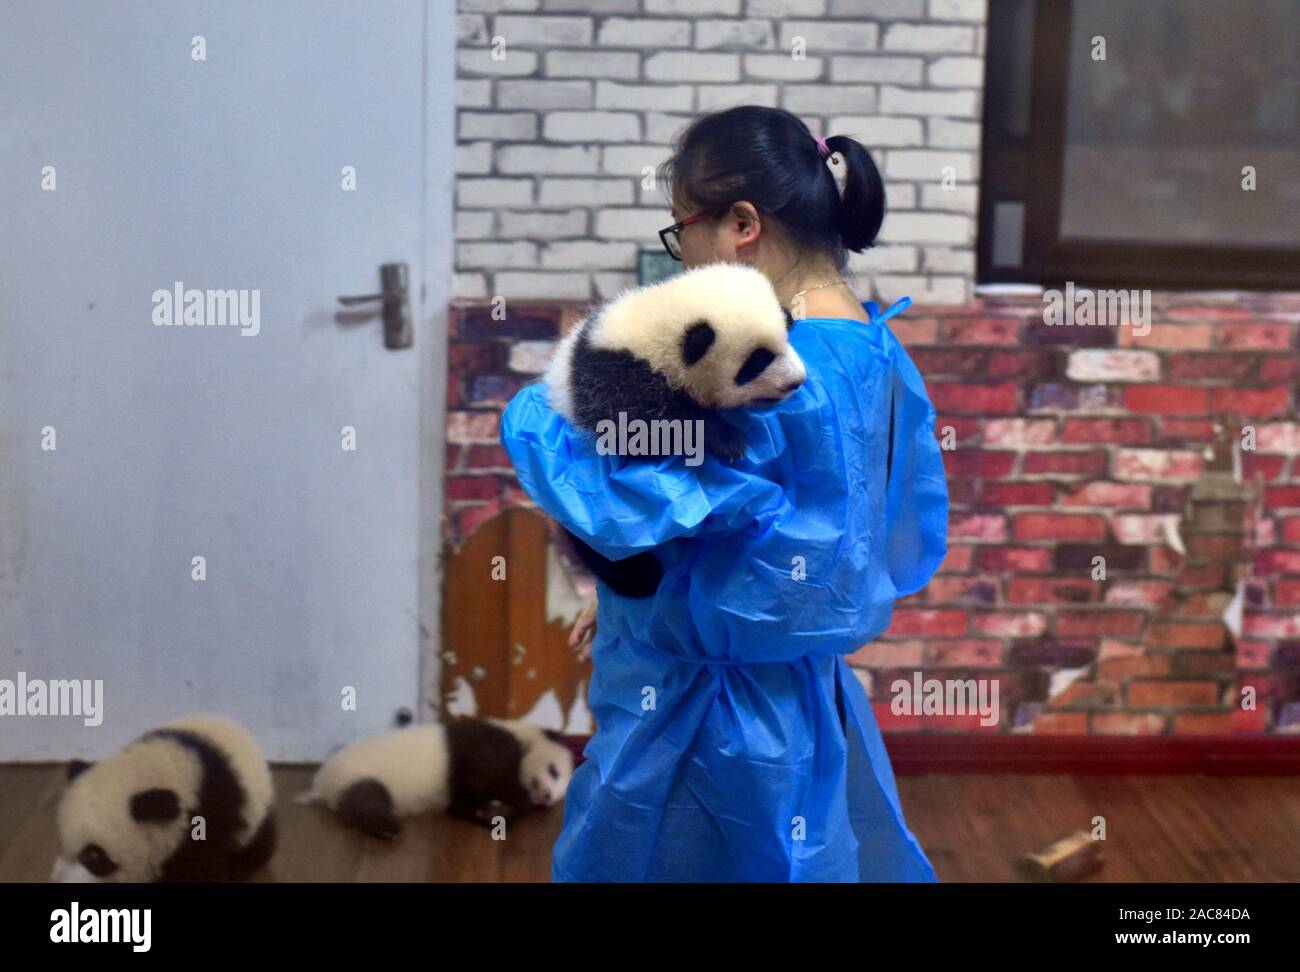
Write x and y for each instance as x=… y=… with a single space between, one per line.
x=563 y=105
x=639 y=32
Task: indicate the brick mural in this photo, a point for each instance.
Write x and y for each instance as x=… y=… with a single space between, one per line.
x=1125 y=523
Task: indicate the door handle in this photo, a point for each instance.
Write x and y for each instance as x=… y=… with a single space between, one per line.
x=395 y=295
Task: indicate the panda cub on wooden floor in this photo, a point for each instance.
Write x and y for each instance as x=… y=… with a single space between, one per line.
x=476 y=769
x=687 y=349
x=132 y=816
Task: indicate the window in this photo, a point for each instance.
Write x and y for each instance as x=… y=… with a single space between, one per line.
x=1153 y=143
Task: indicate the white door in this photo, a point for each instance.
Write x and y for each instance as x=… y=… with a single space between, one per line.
x=145 y=147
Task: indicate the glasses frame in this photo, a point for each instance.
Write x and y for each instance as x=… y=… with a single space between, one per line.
x=675 y=232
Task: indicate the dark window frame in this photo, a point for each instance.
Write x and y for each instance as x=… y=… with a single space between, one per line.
x=1047 y=258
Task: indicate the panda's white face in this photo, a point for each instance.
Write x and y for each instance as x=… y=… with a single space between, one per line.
x=101 y=842
x=725 y=362
x=115 y=823
x=545 y=771
x=717 y=332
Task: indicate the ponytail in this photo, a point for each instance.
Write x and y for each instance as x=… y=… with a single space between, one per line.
x=862 y=209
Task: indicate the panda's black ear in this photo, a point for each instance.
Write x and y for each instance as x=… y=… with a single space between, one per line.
x=155 y=806
x=76 y=768
x=696 y=341
x=789 y=320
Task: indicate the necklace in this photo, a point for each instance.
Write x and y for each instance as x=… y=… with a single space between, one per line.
x=818 y=287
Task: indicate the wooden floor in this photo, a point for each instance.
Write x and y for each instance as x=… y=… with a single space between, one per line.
x=1159 y=828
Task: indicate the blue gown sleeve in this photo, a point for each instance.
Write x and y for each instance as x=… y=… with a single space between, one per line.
x=617 y=505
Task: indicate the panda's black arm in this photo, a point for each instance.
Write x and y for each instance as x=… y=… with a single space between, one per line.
x=607 y=383
x=635 y=576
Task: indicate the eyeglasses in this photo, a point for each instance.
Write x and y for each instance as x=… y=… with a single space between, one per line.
x=671 y=237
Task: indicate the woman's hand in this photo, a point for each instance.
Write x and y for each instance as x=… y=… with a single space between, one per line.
x=584 y=630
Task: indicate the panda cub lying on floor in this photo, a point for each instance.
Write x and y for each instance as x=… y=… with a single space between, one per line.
x=687 y=349
x=476 y=769
x=133 y=816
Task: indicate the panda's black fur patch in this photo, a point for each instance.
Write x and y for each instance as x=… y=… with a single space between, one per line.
x=368 y=806
x=155 y=806
x=635 y=576
x=697 y=340
x=484 y=770
x=96 y=860
x=754 y=365
x=221 y=804
x=617 y=381
x=257 y=853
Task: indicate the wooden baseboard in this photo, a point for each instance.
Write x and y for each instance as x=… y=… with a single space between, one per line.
x=1246 y=754
x=914 y=753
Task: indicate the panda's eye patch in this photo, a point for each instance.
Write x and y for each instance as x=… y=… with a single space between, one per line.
x=754 y=365
x=155 y=806
x=696 y=341
x=95 y=860
x=555 y=774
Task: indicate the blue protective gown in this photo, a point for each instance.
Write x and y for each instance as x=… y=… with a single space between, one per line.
x=721 y=753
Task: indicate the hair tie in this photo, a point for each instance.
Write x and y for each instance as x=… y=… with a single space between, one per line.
x=835 y=162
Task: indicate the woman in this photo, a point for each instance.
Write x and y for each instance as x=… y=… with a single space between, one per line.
x=733 y=741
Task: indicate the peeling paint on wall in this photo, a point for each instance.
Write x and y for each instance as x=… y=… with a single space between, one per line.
x=563 y=598
x=580 y=722
x=546 y=712
x=461 y=700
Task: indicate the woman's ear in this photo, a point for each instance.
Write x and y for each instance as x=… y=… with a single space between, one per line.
x=745 y=224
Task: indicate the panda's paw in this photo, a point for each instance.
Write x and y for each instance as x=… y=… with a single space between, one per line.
x=724 y=441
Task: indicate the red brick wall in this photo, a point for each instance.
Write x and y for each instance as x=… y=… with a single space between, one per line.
x=1067 y=444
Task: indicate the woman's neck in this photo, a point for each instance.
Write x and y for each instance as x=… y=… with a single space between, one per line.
x=806 y=294
x=833 y=302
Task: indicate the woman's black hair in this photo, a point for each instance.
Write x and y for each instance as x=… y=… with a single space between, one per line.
x=768 y=157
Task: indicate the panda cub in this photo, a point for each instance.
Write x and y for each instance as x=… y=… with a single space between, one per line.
x=475 y=769
x=690 y=348
x=131 y=817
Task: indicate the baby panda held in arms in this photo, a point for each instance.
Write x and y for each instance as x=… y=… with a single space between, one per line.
x=668 y=361
x=476 y=769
